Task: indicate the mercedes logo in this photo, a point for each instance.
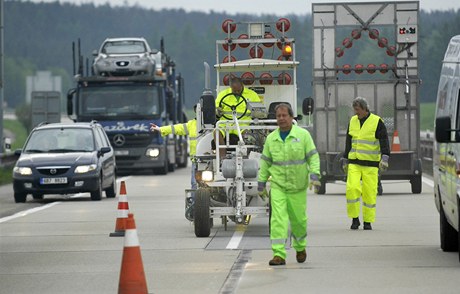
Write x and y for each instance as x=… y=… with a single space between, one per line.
x=119 y=140
x=53 y=171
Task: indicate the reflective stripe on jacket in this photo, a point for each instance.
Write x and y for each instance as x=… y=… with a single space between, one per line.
x=364 y=145
x=183 y=129
x=289 y=162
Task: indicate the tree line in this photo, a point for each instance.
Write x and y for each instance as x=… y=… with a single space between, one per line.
x=38 y=36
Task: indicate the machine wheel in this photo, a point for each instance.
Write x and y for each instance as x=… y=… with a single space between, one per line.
x=449 y=236
x=111 y=191
x=20 y=197
x=37 y=196
x=162 y=170
x=322 y=188
x=97 y=194
x=201 y=213
x=416 y=185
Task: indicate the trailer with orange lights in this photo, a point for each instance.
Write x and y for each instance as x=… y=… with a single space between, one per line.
x=263 y=56
x=368 y=50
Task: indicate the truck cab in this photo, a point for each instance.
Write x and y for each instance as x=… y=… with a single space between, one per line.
x=446 y=153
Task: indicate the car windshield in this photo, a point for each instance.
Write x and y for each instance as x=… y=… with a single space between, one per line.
x=139 y=101
x=124 y=47
x=56 y=140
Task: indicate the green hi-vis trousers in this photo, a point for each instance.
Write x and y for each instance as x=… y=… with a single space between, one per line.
x=362 y=180
x=288 y=208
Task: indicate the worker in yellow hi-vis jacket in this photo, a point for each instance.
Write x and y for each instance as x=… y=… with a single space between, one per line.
x=290 y=158
x=183 y=129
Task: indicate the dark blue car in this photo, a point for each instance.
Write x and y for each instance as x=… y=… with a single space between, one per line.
x=65 y=158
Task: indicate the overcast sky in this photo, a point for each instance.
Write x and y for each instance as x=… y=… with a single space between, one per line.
x=278 y=7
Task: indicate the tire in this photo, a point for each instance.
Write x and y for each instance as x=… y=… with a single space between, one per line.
x=322 y=188
x=201 y=213
x=416 y=185
x=37 y=196
x=449 y=236
x=379 y=189
x=111 y=192
x=20 y=197
x=97 y=194
x=162 y=170
x=171 y=167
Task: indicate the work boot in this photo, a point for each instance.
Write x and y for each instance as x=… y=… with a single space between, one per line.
x=355 y=224
x=367 y=226
x=277 y=261
x=301 y=256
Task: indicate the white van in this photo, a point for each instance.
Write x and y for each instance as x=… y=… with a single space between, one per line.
x=446 y=154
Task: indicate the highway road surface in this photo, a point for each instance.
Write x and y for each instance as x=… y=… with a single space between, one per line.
x=62 y=245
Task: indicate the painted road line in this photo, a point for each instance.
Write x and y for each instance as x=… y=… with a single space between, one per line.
x=36 y=209
x=427 y=181
x=28 y=211
x=236 y=238
x=233 y=279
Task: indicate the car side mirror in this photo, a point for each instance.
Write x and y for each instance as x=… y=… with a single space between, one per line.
x=308 y=106
x=104 y=150
x=95 y=53
x=443 y=129
x=17 y=152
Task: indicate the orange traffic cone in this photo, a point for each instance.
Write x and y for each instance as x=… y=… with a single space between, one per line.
x=396 y=144
x=123 y=210
x=132 y=275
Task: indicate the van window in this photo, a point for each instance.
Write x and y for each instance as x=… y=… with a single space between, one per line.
x=458 y=106
x=99 y=140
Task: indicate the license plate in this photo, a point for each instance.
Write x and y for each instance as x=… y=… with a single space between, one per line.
x=121 y=152
x=47 y=181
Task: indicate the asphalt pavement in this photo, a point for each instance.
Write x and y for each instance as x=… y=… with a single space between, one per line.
x=62 y=245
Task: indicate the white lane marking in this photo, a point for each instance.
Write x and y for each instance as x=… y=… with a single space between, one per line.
x=235 y=240
x=28 y=211
x=428 y=182
x=36 y=209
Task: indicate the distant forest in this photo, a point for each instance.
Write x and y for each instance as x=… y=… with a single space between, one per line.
x=38 y=36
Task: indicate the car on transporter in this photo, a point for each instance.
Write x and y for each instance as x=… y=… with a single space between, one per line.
x=65 y=158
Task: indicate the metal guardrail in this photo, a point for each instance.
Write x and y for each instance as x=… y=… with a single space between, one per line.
x=7 y=159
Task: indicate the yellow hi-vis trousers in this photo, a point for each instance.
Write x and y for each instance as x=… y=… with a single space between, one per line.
x=288 y=208
x=369 y=176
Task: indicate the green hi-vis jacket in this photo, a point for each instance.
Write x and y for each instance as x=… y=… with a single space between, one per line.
x=289 y=163
x=364 y=145
x=184 y=129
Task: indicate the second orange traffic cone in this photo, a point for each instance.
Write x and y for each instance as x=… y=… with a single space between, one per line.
x=132 y=275
x=396 y=144
x=123 y=210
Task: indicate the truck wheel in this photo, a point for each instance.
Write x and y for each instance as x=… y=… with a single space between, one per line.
x=201 y=213
x=37 y=196
x=322 y=188
x=162 y=170
x=416 y=185
x=379 y=188
x=171 y=167
x=111 y=191
x=97 y=194
x=20 y=197
x=449 y=236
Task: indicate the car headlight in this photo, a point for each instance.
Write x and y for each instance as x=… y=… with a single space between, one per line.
x=141 y=62
x=81 y=169
x=103 y=63
x=23 y=171
x=207 y=176
x=152 y=152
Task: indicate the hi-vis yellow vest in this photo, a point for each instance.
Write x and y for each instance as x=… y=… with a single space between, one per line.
x=364 y=145
x=184 y=129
